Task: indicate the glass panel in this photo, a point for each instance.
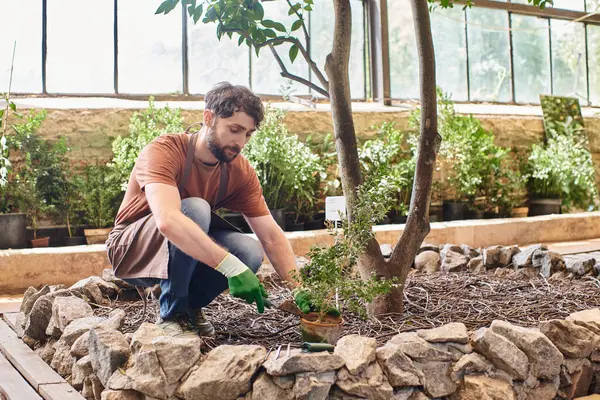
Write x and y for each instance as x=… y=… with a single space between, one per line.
x=321 y=32
x=149 y=48
x=225 y=61
x=80 y=46
x=266 y=74
x=592 y=5
x=568 y=59
x=489 y=55
x=22 y=23
x=594 y=63
x=531 y=54
x=404 y=70
x=448 y=29
x=577 y=5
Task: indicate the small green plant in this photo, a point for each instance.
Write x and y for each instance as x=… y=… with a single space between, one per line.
x=330 y=273
x=511 y=185
x=100 y=195
x=144 y=127
x=287 y=169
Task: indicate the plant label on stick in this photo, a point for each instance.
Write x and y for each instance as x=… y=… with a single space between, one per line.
x=334 y=207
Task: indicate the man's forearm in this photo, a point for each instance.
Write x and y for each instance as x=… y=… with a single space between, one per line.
x=282 y=257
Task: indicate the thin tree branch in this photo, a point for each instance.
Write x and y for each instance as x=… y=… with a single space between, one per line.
x=286 y=74
x=301 y=18
x=280 y=39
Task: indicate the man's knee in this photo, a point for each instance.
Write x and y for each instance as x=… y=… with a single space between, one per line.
x=250 y=253
x=198 y=210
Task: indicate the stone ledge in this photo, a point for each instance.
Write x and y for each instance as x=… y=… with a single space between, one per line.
x=22 y=268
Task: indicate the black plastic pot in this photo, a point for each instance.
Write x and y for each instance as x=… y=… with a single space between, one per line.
x=13 y=228
x=292 y=227
x=453 y=211
x=474 y=214
x=75 y=241
x=314 y=224
x=279 y=217
x=544 y=207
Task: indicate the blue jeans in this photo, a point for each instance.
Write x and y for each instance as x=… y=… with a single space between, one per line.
x=192 y=284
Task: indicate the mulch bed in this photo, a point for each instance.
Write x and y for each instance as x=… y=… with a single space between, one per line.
x=430 y=301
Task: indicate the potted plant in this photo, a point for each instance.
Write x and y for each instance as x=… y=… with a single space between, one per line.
x=30 y=199
x=101 y=196
x=70 y=207
x=329 y=281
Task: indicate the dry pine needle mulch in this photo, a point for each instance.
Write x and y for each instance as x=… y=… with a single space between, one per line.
x=430 y=301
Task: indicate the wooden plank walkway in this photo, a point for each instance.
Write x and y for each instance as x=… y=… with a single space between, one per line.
x=28 y=365
x=12 y=384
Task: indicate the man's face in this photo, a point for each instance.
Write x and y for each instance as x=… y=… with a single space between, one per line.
x=226 y=137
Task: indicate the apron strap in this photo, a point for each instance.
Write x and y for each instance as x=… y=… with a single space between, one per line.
x=189 y=158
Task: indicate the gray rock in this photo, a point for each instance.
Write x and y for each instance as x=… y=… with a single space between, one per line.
x=499 y=256
x=469 y=252
x=47 y=350
x=581 y=267
x=81 y=346
x=386 y=250
x=596 y=269
x=298 y=361
x=52 y=330
x=524 y=258
x=145 y=376
x=62 y=361
x=284 y=382
x=114 y=321
x=67 y=309
x=356 y=351
x=108 y=351
x=452 y=332
x=41 y=312
x=92 y=387
x=445 y=248
x=456 y=349
x=478 y=387
x=476 y=265
x=79 y=327
x=571 y=339
x=109 y=276
x=176 y=355
x=26 y=304
x=370 y=383
x=81 y=370
x=419 y=349
x=312 y=386
x=501 y=352
x=428 y=247
x=120 y=381
x=470 y=364
x=90 y=290
x=121 y=395
x=544 y=357
x=589 y=319
x=144 y=336
x=265 y=388
x=428 y=262
x=548 y=262
x=436 y=374
x=398 y=368
x=454 y=262
x=225 y=373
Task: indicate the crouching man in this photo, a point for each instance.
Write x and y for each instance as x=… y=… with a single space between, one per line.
x=166 y=231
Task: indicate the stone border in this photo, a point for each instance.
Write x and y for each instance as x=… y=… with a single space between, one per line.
x=66 y=265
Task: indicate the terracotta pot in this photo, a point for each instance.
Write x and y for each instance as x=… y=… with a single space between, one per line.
x=96 y=236
x=328 y=331
x=40 y=242
x=520 y=212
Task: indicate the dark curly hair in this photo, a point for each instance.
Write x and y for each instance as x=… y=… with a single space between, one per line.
x=224 y=99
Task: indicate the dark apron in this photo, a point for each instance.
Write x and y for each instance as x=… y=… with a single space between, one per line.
x=139 y=250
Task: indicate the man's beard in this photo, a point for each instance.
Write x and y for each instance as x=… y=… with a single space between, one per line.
x=221 y=152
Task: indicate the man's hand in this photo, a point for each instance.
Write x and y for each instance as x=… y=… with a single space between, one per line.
x=302 y=300
x=242 y=281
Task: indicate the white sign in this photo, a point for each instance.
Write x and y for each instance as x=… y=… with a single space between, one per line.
x=334 y=205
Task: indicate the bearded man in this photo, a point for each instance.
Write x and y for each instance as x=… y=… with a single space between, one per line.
x=166 y=231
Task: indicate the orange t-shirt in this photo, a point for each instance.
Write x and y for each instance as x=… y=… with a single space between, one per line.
x=163 y=160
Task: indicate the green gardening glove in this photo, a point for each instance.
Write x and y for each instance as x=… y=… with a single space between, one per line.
x=242 y=282
x=302 y=300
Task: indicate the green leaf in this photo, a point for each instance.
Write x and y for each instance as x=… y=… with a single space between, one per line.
x=309 y=2
x=259 y=11
x=308 y=8
x=294 y=8
x=267 y=23
x=241 y=40
x=296 y=25
x=270 y=33
x=230 y=34
x=279 y=27
x=293 y=53
x=198 y=13
x=13 y=106
x=257 y=50
x=162 y=9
